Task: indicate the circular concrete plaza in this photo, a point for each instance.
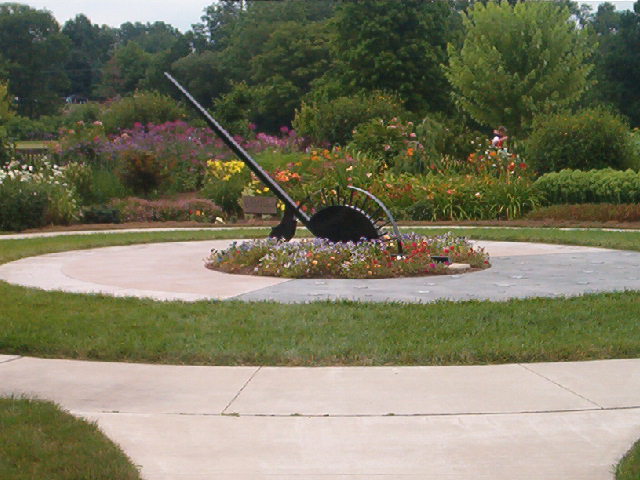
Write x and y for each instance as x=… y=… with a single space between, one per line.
x=175 y=271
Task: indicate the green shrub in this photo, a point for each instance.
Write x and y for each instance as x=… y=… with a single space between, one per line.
x=101 y=214
x=333 y=121
x=7 y=148
x=83 y=112
x=141 y=171
x=43 y=128
x=594 y=186
x=590 y=139
x=106 y=185
x=143 y=108
x=22 y=205
x=449 y=137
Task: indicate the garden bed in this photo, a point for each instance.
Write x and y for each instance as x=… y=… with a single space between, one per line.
x=319 y=258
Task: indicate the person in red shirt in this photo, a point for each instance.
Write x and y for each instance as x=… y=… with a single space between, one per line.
x=499 y=137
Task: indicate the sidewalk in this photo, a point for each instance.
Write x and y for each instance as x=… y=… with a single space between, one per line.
x=527 y=421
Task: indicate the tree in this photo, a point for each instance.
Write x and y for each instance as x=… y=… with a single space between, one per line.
x=517 y=62
x=618 y=67
x=150 y=37
x=202 y=75
x=90 y=46
x=34 y=54
x=394 y=46
x=124 y=71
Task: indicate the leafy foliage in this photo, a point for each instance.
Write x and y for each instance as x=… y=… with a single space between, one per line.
x=333 y=121
x=34 y=52
x=618 y=64
x=394 y=46
x=593 y=186
x=141 y=108
x=517 y=62
x=22 y=205
x=591 y=138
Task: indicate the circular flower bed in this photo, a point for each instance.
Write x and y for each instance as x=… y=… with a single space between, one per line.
x=319 y=258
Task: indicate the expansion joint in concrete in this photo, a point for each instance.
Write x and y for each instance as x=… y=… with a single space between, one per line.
x=224 y=411
x=600 y=407
x=13 y=359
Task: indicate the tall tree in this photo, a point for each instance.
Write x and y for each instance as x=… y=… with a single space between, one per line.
x=34 y=53
x=90 y=46
x=124 y=71
x=395 y=46
x=618 y=66
x=151 y=37
x=519 y=61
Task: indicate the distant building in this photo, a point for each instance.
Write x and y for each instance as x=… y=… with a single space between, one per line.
x=76 y=99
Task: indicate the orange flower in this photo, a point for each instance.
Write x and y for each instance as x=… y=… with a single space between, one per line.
x=410 y=152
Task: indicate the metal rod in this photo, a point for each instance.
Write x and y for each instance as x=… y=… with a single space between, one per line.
x=387 y=211
x=243 y=155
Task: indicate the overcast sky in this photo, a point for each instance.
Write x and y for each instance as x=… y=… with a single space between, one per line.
x=179 y=13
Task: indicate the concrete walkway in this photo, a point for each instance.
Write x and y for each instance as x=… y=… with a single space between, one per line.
x=570 y=421
x=175 y=271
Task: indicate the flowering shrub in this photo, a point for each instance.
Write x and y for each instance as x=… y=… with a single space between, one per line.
x=224 y=183
x=83 y=142
x=43 y=179
x=182 y=151
x=319 y=258
x=459 y=197
x=141 y=210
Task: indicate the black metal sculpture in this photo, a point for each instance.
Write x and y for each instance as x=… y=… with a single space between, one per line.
x=343 y=221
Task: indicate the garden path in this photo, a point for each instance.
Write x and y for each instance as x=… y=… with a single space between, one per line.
x=569 y=420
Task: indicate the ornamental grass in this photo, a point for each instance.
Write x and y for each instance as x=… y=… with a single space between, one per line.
x=320 y=258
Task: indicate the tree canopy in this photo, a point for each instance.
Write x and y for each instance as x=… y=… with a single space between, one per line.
x=34 y=53
x=518 y=61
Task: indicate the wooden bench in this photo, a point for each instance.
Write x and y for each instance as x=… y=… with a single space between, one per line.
x=260 y=205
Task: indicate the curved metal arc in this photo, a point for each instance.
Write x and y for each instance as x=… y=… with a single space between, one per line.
x=387 y=212
x=242 y=154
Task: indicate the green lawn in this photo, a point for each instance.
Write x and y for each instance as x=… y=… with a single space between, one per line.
x=52 y=324
x=629 y=466
x=38 y=441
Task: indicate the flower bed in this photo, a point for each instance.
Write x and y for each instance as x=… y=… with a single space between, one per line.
x=319 y=258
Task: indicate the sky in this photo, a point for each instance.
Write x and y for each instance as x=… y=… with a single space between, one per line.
x=179 y=13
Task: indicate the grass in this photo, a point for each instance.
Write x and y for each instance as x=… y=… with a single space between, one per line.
x=40 y=441
x=54 y=324
x=629 y=466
